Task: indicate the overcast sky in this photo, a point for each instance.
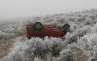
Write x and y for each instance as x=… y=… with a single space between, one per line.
x=25 y=8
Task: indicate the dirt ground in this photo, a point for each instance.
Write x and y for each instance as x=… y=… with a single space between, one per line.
x=80 y=56
x=7 y=44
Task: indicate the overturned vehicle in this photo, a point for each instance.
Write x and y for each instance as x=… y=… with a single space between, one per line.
x=40 y=30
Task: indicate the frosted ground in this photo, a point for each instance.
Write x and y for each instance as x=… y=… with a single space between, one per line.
x=82 y=36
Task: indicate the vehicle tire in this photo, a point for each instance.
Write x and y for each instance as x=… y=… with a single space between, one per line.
x=66 y=27
x=37 y=26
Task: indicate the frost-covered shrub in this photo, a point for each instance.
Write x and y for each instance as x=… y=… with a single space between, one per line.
x=56 y=46
x=67 y=55
x=27 y=50
x=16 y=52
x=20 y=30
x=94 y=54
x=83 y=17
x=53 y=45
x=73 y=47
x=29 y=54
x=73 y=27
x=61 y=20
x=72 y=37
x=40 y=48
x=12 y=30
x=92 y=16
x=3 y=35
x=79 y=19
x=82 y=31
x=94 y=29
x=88 y=21
x=71 y=19
x=87 y=44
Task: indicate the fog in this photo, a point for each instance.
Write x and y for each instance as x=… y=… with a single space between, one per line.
x=29 y=8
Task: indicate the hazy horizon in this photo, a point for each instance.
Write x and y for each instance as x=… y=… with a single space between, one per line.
x=27 y=8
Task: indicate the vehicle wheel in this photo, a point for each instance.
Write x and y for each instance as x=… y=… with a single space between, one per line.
x=37 y=26
x=66 y=27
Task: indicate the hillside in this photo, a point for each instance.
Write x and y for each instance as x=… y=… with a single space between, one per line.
x=79 y=44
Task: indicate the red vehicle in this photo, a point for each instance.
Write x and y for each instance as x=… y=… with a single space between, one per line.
x=39 y=30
